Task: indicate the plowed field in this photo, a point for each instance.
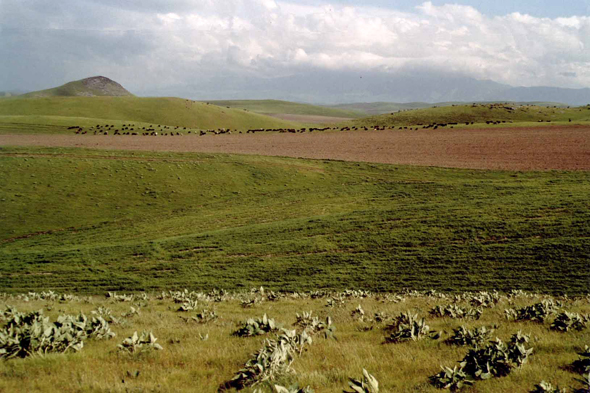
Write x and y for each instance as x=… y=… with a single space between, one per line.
x=544 y=148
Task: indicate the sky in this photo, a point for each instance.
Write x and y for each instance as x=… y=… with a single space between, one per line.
x=180 y=47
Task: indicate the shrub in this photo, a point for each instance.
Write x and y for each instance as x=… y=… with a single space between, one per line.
x=144 y=343
x=358 y=313
x=465 y=337
x=585 y=380
x=582 y=365
x=254 y=327
x=455 y=312
x=188 y=305
x=107 y=314
x=485 y=299
x=313 y=324
x=451 y=378
x=368 y=384
x=546 y=387
x=120 y=298
x=292 y=389
x=406 y=327
x=538 y=312
x=205 y=316
x=33 y=334
x=272 y=360
x=566 y=321
x=496 y=359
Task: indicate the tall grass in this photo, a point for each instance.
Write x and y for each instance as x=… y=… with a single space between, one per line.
x=187 y=363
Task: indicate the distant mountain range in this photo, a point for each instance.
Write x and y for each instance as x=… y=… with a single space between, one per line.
x=342 y=87
x=337 y=87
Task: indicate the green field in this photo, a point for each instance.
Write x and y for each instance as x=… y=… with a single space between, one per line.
x=479 y=114
x=285 y=107
x=55 y=114
x=69 y=111
x=91 y=221
x=380 y=108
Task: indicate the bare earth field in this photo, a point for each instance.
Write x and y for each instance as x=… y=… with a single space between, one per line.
x=545 y=148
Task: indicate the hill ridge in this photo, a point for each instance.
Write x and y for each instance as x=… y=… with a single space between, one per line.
x=94 y=86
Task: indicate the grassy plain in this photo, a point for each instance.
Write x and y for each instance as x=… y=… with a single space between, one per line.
x=170 y=111
x=380 y=108
x=188 y=363
x=286 y=107
x=89 y=221
x=521 y=115
x=52 y=115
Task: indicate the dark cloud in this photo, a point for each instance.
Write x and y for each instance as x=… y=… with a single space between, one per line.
x=568 y=74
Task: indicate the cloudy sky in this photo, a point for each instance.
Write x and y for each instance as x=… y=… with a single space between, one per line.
x=197 y=47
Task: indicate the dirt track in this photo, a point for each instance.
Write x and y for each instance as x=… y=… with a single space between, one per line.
x=542 y=148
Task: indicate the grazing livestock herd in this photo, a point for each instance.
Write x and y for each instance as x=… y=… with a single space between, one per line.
x=163 y=130
x=160 y=130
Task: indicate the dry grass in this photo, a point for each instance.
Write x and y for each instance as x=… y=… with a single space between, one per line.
x=189 y=364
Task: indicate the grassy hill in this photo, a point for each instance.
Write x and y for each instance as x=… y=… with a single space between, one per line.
x=379 y=108
x=286 y=107
x=6 y=94
x=479 y=113
x=67 y=111
x=91 y=220
x=88 y=87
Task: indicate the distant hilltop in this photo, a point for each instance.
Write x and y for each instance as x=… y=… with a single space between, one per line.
x=90 y=87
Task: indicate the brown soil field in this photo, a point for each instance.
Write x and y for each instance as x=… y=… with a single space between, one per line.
x=546 y=148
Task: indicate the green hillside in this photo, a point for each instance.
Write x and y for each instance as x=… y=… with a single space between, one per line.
x=90 y=220
x=379 y=108
x=287 y=107
x=479 y=113
x=88 y=87
x=170 y=111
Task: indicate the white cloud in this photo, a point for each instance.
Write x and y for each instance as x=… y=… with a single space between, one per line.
x=272 y=38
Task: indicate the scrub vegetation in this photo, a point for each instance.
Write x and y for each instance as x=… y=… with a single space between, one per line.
x=145 y=342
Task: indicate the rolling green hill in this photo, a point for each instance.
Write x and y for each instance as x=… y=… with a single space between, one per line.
x=380 y=108
x=88 y=87
x=477 y=113
x=287 y=107
x=90 y=221
x=65 y=111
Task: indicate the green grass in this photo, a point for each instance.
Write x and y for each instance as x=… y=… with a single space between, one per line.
x=286 y=107
x=379 y=108
x=169 y=111
x=188 y=364
x=61 y=124
x=529 y=115
x=95 y=220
